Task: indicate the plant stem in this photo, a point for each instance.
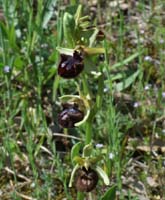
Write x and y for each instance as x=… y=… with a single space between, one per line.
x=85 y=85
x=88 y=131
x=90 y=196
x=55 y=87
x=80 y=196
x=88 y=127
x=73 y=2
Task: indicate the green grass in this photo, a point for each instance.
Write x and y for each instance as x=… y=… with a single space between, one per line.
x=34 y=162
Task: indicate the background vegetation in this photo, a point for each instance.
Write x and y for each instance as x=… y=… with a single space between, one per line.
x=130 y=127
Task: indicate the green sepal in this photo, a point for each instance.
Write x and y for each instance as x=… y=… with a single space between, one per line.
x=93 y=51
x=69 y=97
x=82 y=102
x=94 y=160
x=79 y=160
x=84 y=119
x=103 y=175
x=75 y=151
x=87 y=150
x=83 y=105
x=72 y=175
x=65 y=51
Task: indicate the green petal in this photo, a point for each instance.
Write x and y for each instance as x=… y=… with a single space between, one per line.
x=72 y=175
x=103 y=175
x=75 y=151
x=65 y=51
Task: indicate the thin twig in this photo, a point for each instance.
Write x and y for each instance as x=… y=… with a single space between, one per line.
x=68 y=136
x=25 y=196
x=18 y=175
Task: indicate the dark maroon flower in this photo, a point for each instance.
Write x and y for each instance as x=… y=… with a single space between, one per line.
x=70 y=115
x=70 y=66
x=86 y=180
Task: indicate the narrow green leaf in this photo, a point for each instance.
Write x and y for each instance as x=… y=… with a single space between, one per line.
x=126 y=61
x=49 y=11
x=110 y=194
x=69 y=28
x=118 y=76
x=93 y=37
x=12 y=37
x=126 y=83
x=38 y=146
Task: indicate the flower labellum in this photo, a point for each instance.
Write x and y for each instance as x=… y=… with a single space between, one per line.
x=70 y=115
x=70 y=66
x=86 y=180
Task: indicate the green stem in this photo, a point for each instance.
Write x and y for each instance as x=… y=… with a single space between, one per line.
x=99 y=97
x=80 y=196
x=90 y=196
x=88 y=127
x=55 y=87
x=88 y=138
x=73 y=2
x=85 y=85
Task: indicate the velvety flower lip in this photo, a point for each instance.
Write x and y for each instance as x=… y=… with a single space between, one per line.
x=70 y=115
x=86 y=180
x=70 y=66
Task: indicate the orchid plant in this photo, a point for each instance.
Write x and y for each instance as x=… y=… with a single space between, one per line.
x=76 y=61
